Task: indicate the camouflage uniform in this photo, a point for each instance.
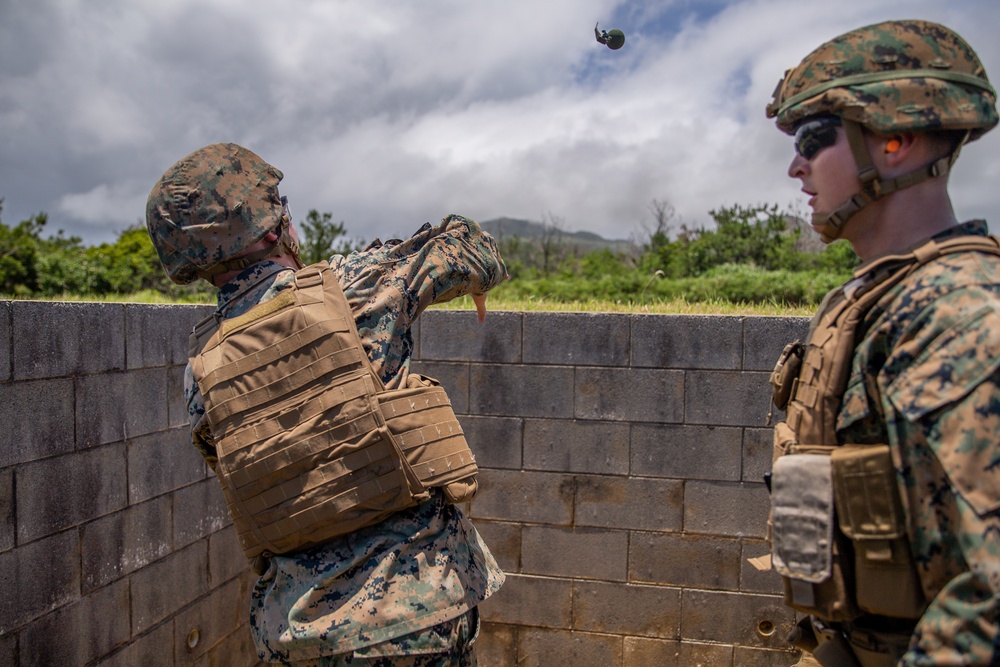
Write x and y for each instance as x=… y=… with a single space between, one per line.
x=407 y=586
x=925 y=378
x=925 y=370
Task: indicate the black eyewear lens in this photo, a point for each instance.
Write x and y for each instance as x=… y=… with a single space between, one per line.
x=814 y=135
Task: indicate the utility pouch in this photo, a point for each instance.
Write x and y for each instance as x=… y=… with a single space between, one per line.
x=786 y=370
x=784 y=440
x=806 y=550
x=870 y=514
x=431 y=439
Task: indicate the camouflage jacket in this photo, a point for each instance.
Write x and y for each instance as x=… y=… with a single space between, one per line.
x=422 y=566
x=925 y=378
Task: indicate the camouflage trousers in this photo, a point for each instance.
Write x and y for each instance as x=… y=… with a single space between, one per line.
x=455 y=638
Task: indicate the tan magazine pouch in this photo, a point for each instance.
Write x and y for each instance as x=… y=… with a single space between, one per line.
x=424 y=425
x=807 y=551
x=870 y=514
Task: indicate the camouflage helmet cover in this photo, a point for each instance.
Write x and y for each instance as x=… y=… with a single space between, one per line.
x=211 y=206
x=892 y=76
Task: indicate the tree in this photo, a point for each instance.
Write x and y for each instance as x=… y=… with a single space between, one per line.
x=549 y=243
x=19 y=255
x=319 y=238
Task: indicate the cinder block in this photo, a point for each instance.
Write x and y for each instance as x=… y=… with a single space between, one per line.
x=521 y=391
x=690 y=561
x=38 y=578
x=734 y=618
x=644 y=652
x=706 y=655
x=534 y=497
x=8 y=650
x=590 y=339
x=211 y=619
x=758 y=450
x=536 y=601
x=539 y=648
x=687 y=341
x=497 y=644
x=686 y=452
x=37 y=420
x=723 y=398
x=453 y=377
x=236 y=649
x=8 y=520
x=576 y=553
x=627 y=609
x=722 y=508
x=79 y=633
x=161 y=462
x=753 y=580
x=112 y=407
x=199 y=510
x=455 y=335
x=496 y=441
x=225 y=557
x=629 y=395
x=633 y=503
x=59 y=339
x=54 y=494
x=125 y=541
x=163 y=588
x=177 y=414
x=765 y=337
x=6 y=342
x=576 y=446
x=756 y=657
x=157 y=335
x=504 y=541
x=155 y=648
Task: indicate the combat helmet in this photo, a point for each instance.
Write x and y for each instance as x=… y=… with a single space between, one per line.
x=896 y=76
x=210 y=207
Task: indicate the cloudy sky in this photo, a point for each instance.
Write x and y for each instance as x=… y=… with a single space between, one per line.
x=389 y=114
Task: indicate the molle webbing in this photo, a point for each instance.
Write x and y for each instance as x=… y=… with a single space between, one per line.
x=826 y=362
x=310 y=445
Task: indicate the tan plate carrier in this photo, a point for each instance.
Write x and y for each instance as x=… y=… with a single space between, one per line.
x=310 y=444
x=870 y=568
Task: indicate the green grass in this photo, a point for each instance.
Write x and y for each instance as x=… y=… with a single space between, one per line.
x=145 y=296
x=666 y=307
x=514 y=304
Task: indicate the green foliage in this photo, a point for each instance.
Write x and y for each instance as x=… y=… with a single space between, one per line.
x=60 y=266
x=320 y=238
x=750 y=256
x=19 y=256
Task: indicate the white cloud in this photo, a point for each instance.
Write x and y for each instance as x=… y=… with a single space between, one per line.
x=390 y=114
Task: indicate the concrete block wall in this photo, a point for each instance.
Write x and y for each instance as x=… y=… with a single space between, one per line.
x=622 y=459
x=115 y=545
x=621 y=490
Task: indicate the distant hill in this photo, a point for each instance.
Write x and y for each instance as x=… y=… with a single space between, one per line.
x=528 y=229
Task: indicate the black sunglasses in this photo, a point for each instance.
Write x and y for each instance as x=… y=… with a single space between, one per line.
x=814 y=135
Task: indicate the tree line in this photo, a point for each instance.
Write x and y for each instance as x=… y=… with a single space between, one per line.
x=752 y=254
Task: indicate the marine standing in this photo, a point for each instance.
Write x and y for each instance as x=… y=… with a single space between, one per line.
x=341 y=468
x=885 y=519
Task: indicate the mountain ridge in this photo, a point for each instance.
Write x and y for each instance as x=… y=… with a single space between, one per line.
x=529 y=229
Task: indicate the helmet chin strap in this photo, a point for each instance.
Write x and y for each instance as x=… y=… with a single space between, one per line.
x=286 y=244
x=831 y=225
